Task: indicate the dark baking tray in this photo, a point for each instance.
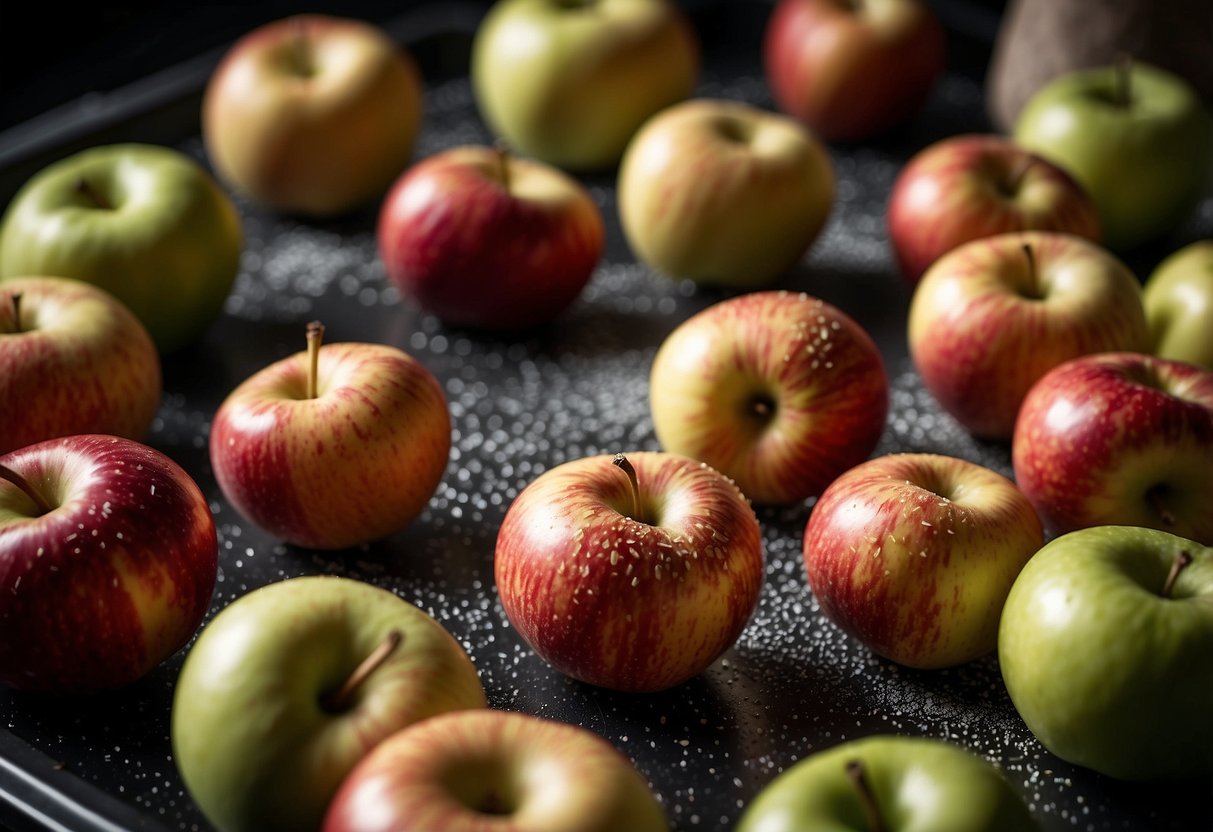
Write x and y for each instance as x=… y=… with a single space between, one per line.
x=793 y=684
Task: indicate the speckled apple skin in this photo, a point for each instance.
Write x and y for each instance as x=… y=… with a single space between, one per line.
x=111 y=582
x=618 y=602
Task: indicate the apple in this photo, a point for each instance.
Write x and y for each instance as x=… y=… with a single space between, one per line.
x=1178 y=298
x=993 y=316
x=292 y=684
x=312 y=114
x=341 y=445
x=972 y=186
x=1119 y=438
x=780 y=392
x=913 y=555
x=484 y=240
x=1106 y=647
x=850 y=69
x=73 y=360
x=570 y=81
x=467 y=770
x=1136 y=136
x=723 y=193
x=108 y=557
x=632 y=573
x=145 y=223
x=889 y=783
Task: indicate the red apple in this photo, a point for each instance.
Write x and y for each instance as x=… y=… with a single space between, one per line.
x=484 y=240
x=914 y=554
x=852 y=68
x=637 y=582
x=338 y=446
x=1119 y=439
x=974 y=186
x=469 y=771
x=996 y=314
x=781 y=392
x=73 y=360
x=312 y=114
x=108 y=557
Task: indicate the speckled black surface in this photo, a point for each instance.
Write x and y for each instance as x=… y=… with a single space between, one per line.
x=793 y=684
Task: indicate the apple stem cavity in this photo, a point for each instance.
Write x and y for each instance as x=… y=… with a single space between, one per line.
x=338 y=700
x=315 y=337
x=867 y=800
x=21 y=482
x=14 y=302
x=301 y=50
x=1181 y=560
x=1015 y=180
x=89 y=192
x=621 y=462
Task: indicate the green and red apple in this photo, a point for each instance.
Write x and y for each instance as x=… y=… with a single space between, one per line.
x=1178 y=297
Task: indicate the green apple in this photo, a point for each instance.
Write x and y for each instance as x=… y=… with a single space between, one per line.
x=1106 y=647
x=1136 y=137
x=889 y=783
x=1179 y=305
x=291 y=685
x=145 y=223
x=570 y=81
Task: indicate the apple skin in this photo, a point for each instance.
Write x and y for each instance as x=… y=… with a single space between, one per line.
x=723 y=193
x=570 y=83
x=851 y=70
x=1145 y=164
x=77 y=362
x=1107 y=672
x=1119 y=438
x=166 y=242
x=623 y=603
x=973 y=186
x=355 y=464
x=913 y=555
x=254 y=742
x=312 y=114
x=469 y=770
x=780 y=392
x=986 y=322
x=484 y=240
x=130 y=532
x=916 y=783
x=1178 y=298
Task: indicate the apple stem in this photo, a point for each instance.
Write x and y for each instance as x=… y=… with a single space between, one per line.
x=21 y=482
x=336 y=701
x=867 y=800
x=1124 y=72
x=301 y=50
x=1182 y=559
x=621 y=462
x=86 y=189
x=1018 y=173
x=502 y=150
x=315 y=337
x=1030 y=256
x=1160 y=508
x=14 y=301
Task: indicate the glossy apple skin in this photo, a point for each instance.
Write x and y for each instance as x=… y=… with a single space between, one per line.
x=619 y=602
x=917 y=783
x=1178 y=298
x=77 y=362
x=1119 y=438
x=1105 y=671
x=848 y=70
x=468 y=771
x=723 y=193
x=985 y=324
x=487 y=246
x=312 y=114
x=814 y=372
x=255 y=746
x=570 y=83
x=130 y=533
x=355 y=464
x=967 y=187
x=167 y=242
x=1145 y=165
x=913 y=555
